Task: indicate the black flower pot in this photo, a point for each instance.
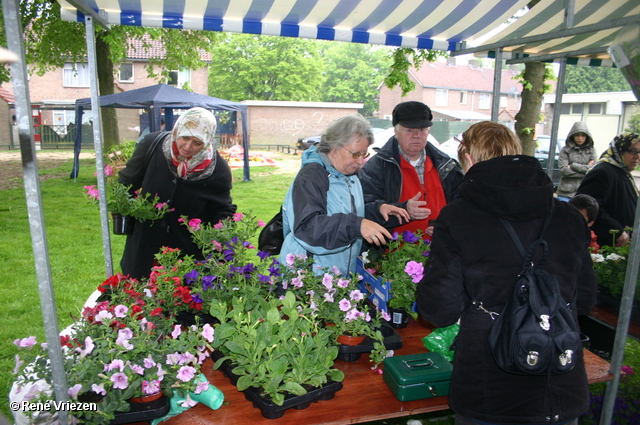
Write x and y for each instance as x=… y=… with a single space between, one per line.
x=399 y=317
x=122 y=224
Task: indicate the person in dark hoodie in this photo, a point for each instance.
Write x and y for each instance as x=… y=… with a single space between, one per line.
x=471 y=247
x=576 y=158
x=410 y=172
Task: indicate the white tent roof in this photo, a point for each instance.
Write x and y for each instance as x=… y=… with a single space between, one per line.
x=432 y=24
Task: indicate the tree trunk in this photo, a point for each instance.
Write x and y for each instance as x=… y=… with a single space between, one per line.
x=106 y=82
x=529 y=114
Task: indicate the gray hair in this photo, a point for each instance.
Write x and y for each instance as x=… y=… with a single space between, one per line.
x=343 y=131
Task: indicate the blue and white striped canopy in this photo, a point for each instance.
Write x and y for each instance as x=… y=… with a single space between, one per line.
x=446 y=25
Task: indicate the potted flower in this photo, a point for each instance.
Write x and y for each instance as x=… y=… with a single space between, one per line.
x=278 y=350
x=120 y=349
x=125 y=204
x=402 y=264
x=610 y=267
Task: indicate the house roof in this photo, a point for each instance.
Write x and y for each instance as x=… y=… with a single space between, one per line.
x=441 y=25
x=155 y=50
x=464 y=77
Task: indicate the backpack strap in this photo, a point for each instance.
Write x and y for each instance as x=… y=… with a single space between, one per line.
x=528 y=256
x=153 y=146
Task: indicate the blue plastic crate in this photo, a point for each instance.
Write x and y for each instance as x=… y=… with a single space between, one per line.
x=377 y=290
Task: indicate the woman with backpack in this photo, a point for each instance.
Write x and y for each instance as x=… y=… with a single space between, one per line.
x=474 y=256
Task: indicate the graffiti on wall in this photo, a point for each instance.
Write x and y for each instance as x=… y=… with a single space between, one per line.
x=297 y=127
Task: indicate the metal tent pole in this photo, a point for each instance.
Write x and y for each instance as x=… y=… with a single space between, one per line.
x=497 y=85
x=13 y=31
x=97 y=143
x=556 y=117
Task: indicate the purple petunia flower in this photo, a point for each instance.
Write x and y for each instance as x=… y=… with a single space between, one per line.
x=263 y=254
x=207 y=282
x=264 y=279
x=120 y=381
x=344 y=304
x=191 y=277
x=186 y=373
x=409 y=237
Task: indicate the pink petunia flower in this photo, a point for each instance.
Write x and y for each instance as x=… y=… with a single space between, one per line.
x=25 y=342
x=150 y=387
x=120 y=381
x=188 y=402
x=344 y=304
x=73 y=391
x=194 y=223
x=202 y=386
x=207 y=332
x=261 y=223
x=186 y=373
x=218 y=225
x=177 y=330
x=327 y=281
x=238 y=216
x=120 y=310
x=88 y=347
x=98 y=389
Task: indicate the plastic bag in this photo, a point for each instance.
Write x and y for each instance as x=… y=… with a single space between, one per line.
x=211 y=398
x=441 y=340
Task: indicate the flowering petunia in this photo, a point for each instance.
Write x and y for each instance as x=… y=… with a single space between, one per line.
x=137 y=369
x=150 y=387
x=173 y=358
x=124 y=335
x=296 y=282
x=356 y=295
x=207 y=332
x=207 y=281
x=192 y=276
x=25 y=342
x=161 y=205
x=290 y=258
x=409 y=237
x=120 y=381
x=148 y=362
x=188 y=402
x=92 y=192
x=261 y=223
x=73 y=391
x=115 y=364
x=194 y=223
x=415 y=270
x=176 y=332
x=88 y=347
x=19 y=364
x=186 y=373
x=120 y=310
x=98 y=389
x=202 y=386
x=219 y=225
x=103 y=317
x=343 y=283
x=344 y=304
x=327 y=281
x=386 y=316
x=238 y=216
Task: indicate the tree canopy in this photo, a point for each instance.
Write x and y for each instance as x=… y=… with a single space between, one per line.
x=247 y=66
x=593 y=79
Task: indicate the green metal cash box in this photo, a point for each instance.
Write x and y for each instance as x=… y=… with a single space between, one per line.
x=417 y=376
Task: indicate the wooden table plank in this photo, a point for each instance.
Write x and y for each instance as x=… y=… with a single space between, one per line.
x=364 y=397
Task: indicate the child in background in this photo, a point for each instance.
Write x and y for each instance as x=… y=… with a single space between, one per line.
x=588 y=207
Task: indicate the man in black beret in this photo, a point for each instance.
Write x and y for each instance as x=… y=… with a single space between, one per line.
x=410 y=172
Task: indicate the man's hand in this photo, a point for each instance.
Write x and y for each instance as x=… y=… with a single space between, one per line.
x=415 y=207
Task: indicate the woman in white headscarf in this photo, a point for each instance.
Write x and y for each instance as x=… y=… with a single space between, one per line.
x=185 y=170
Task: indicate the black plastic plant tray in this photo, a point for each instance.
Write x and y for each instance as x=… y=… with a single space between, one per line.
x=351 y=353
x=271 y=410
x=143 y=412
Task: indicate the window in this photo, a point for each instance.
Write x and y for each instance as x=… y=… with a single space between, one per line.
x=179 y=78
x=463 y=97
x=503 y=101
x=126 y=73
x=484 y=101
x=565 y=109
x=442 y=97
x=576 y=108
x=595 y=108
x=75 y=75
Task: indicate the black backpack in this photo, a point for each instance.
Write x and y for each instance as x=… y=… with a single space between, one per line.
x=272 y=235
x=536 y=332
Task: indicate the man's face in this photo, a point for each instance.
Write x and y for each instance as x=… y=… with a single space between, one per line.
x=412 y=141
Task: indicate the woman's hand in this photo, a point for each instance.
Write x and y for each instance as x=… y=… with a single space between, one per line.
x=621 y=241
x=386 y=210
x=373 y=233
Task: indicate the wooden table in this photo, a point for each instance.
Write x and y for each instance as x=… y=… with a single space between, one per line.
x=364 y=397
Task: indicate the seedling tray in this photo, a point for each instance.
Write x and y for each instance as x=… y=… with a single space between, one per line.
x=351 y=353
x=271 y=410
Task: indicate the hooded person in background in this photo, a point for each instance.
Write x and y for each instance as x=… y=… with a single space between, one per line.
x=576 y=158
x=610 y=182
x=186 y=171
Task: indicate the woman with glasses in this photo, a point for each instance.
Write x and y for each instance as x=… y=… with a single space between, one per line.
x=610 y=182
x=324 y=211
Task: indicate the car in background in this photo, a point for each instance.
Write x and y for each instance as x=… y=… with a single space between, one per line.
x=305 y=143
x=543 y=144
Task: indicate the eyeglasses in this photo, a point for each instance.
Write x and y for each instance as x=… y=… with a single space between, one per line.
x=633 y=152
x=356 y=155
x=459 y=141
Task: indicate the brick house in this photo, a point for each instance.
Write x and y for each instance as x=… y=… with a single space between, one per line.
x=53 y=95
x=458 y=95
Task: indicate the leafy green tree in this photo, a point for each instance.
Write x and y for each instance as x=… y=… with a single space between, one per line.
x=50 y=43
x=353 y=73
x=634 y=123
x=404 y=58
x=593 y=79
x=247 y=66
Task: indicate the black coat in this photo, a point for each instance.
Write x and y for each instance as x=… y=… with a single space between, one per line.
x=208 y=199
x=617 y=199
x=470 y=244
x=381 y=177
